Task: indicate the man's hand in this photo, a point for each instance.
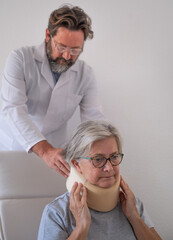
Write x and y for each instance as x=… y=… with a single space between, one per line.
x=53 y=157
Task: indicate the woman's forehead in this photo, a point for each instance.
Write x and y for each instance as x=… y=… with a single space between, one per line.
x=104 y=146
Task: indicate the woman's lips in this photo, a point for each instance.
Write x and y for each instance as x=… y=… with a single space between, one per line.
x=107 y=177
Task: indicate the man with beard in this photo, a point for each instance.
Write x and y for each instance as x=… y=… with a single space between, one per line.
x=42 y=87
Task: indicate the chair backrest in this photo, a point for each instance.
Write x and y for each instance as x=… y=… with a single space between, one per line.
x=27 y=184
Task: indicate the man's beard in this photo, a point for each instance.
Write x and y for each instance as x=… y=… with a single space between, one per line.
x=59 y=64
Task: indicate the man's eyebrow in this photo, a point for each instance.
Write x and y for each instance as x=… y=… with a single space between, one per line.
x=59 y=43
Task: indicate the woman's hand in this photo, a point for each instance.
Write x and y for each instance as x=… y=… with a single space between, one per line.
x=79 y=208
x=128 y=201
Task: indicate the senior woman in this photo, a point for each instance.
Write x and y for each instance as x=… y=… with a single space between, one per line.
x=92 y=209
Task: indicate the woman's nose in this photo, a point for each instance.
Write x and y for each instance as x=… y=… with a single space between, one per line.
x=108 y=166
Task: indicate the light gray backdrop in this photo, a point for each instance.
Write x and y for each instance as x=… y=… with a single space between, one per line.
x=132 y=55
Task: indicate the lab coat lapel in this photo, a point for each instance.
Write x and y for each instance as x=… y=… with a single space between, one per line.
x=67 y=76
x=64 y=77
x=55 y=116
x=40 y=55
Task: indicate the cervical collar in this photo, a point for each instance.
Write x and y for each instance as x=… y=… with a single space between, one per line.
x=98 y=198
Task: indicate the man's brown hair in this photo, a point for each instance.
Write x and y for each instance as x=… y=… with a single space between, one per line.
x=72 y=18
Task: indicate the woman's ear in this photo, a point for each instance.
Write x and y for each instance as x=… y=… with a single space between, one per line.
x=76 y=165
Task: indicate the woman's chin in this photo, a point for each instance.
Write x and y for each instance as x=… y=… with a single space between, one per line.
x=107 y=183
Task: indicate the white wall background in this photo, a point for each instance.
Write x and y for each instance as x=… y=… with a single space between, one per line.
x=132 y=55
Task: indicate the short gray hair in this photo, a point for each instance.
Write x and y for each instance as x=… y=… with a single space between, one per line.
x=86 y=134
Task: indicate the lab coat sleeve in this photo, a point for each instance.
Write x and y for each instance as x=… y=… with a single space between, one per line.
x=14 y=100
x=90 y=107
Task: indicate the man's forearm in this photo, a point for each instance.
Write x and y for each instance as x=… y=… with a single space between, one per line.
x=41 y=148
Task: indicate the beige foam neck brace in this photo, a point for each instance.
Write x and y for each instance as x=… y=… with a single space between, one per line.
x=99 y=199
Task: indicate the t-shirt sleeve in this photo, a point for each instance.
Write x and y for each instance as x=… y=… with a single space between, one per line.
x=52 y=225
x=143 y=213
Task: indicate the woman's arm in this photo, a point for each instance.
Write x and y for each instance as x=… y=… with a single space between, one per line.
x=57 y=222
x=141 y=230
x=80 y=211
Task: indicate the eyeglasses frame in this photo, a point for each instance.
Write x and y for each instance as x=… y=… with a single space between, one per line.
x=107 y=159
x=66 y=48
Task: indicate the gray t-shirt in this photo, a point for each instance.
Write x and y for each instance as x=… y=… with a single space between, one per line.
x=58 y=222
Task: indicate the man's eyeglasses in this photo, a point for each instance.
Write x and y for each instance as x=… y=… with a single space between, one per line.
x=100 y=161
x=61 y=49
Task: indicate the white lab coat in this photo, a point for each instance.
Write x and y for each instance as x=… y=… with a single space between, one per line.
x=34 y=108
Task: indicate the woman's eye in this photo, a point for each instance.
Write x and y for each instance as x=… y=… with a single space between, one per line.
x=97 y=159
x=114 y=156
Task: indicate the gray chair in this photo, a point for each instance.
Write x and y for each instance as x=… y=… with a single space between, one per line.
x=27 y=184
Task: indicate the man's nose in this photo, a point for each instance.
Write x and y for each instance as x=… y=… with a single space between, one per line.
x=66 y=55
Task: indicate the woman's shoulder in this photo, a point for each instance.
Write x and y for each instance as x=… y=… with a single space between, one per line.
x=60 y=201
x=59 y=206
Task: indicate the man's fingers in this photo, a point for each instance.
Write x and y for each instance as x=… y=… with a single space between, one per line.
x=57 y=169
x=61 y=159
x=66 y=166
x=62 y=168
